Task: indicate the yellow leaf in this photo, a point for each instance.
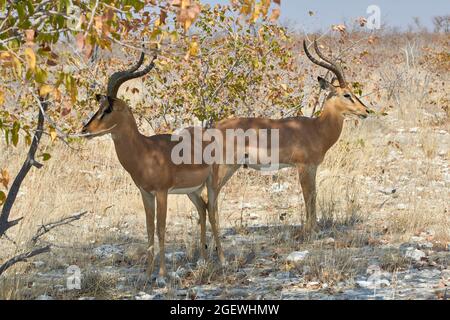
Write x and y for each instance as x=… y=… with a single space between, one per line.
x=193 y=48
x=45 y=89
x=17 y=65
x=5 y=178
x=53 y=134
x=30 y=57
x=2 y=98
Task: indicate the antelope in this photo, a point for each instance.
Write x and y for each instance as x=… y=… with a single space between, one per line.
x=148 y=161
x=303 y=141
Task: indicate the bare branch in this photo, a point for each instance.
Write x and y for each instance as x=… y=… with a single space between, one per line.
x=23 y=257
x=29 y=162
x=49 y=226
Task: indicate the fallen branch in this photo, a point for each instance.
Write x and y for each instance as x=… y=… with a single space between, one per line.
x=23 y=257
x=49 y=226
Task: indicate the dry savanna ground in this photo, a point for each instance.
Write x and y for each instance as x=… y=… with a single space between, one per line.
x=383 y=204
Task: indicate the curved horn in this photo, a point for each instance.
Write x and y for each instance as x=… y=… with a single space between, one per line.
x=327 y=66
x=118 y=78
x=332 y=62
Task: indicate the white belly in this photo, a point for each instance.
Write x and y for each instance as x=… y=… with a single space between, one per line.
x=185 y=190
x=273 y=167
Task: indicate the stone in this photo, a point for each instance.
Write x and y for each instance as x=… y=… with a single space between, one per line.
x=107 y=251
x=297 y=256
x=425 y=245
x=176 y=256
x=414 y=254
x=39 y=263
x=144 y=296
x=45 y=297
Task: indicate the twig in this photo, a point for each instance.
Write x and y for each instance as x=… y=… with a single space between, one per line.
x=92 y=19
x=49 y=226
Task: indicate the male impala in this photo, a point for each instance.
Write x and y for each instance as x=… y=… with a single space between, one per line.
x=303 y=141
x=148 y=161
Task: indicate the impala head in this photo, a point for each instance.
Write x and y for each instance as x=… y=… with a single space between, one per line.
x=342 y=97
x=113 y=112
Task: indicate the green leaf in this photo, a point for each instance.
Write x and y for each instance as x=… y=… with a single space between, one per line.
x=15 y=133
x=28 y=139
x=40 y=76
x=21 y=11
x=2 y=198
x=46 y=156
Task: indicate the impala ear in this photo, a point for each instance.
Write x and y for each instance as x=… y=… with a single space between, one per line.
x=325 y=85
x=335 y=82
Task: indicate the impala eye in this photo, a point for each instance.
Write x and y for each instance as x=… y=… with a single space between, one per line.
x=348 y=96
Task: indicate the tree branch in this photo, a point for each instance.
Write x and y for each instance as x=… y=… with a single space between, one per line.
x=30 y=161
x=49 y=226
x=23 y=257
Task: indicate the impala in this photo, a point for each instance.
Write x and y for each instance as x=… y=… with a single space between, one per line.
x=303 y=141
x=148 y=161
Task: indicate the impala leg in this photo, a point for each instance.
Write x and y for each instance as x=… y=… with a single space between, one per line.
x=161 y=203
x=215 y=182
x=149 y=205
x=221 y=175
x=201 y=208
x=212 y=206
x=307 y=175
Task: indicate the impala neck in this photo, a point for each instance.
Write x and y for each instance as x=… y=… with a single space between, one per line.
x=330 y=124
x=127 y=140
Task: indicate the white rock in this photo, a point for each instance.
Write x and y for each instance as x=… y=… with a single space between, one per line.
x=414 y=130
x=297 y=256
x=38 y=263
x=401 y=206
x=415 y=254
x=107 y=251
x=426 y=245
x=176 y=256
x=373 y=283
x=144 y=296
x=45 y=297
x=417 y=239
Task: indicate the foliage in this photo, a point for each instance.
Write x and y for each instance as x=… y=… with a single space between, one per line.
x=58 y=50
x=229 y=68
